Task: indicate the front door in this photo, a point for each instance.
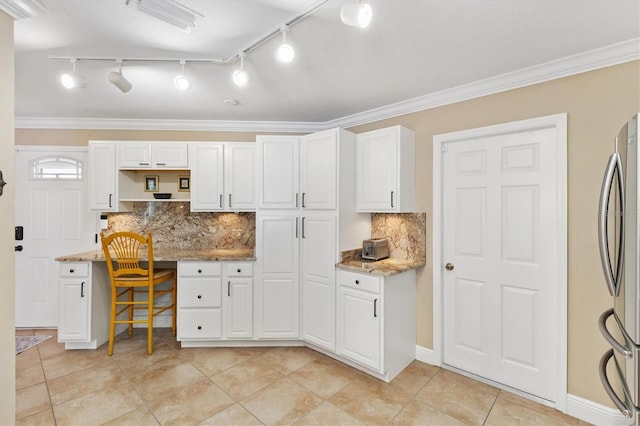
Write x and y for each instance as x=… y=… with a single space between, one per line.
x=52 y=209
x=500 y=278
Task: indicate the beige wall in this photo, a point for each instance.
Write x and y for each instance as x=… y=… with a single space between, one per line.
x=598 y=103
x=7 y=342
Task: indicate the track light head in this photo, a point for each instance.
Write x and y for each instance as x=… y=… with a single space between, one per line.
x=73 y=80
x=285 y=52
x=241 y=77
x=117 y=79
x=181 y=81
x=356 y=14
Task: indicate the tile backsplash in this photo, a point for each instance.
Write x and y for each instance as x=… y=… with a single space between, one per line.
x=173 y=225
x=406 y=233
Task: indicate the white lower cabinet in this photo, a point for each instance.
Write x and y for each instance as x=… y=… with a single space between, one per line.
x=377 y=321
x=85 y=298
x=214 y=302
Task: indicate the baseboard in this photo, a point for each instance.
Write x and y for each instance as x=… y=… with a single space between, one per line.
x=426 y=355
x=594 y=413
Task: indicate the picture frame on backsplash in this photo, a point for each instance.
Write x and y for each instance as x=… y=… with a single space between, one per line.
x=151 y=183
x=184 y=183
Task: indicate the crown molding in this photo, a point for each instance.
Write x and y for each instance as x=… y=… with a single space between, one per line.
x=614 y=54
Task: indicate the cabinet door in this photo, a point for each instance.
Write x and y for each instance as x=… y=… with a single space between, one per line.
x=359 y=320
x=318 y=280
x=238 y=308
x=377 y=164
x=207 y=176
x=171 y=155
x=278 y=172
x=75 y=296
x=134 y=155
x=103 y=195
x=277 y=276
x=318 y=170
x=239 y=176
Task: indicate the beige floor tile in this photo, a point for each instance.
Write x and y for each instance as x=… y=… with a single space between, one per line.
x=236 y=415
x=43 y=418
x=73 y=360
x=29 y=375
x=328 y=414
x=416 y=413
x=190 y=404
x=324 y=376
x=139 y=417
x=514 y=410
x=98 y=407
x=32 y=400
x=413 y=378
x=212 y=361
x=157 y=384
x=459 y=397
x=25 y=332
x=139 y=361
x=50 y=348
x=79 y=383
x=246 y=378
x=288 y=359
x=28 y=357
x=371 y=400
x=282 y=402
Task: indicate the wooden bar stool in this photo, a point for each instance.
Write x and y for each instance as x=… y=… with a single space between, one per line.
x=122 y=253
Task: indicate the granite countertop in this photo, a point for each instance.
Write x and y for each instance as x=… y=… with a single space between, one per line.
x=353 y=261
x=160 y=255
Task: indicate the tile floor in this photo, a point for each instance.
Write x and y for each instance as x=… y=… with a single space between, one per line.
x=246 y=386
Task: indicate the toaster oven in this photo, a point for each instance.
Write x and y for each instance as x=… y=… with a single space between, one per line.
x=375 y=249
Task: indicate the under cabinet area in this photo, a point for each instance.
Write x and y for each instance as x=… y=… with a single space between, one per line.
x=377 y=321
x=133 y=185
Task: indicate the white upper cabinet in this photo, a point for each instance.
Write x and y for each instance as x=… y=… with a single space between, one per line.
x=318 y=170
x=207 y=176
x=278 y=172
x=386 y=170
x=153 y=155
x=239 y=176
x=103 y=181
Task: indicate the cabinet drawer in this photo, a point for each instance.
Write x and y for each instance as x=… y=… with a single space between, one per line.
x=239 y=269
x=68 y=269
x=199 y=324
x=360 y=281
x=199 y=269
x=195 y=293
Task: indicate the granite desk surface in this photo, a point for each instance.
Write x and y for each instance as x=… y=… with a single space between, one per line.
x=170 y=255
x=380 y=267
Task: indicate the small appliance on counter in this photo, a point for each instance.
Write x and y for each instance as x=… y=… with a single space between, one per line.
x=375 y=249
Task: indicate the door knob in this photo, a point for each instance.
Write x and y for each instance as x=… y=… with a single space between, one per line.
x=19 y=248
x=449 y=266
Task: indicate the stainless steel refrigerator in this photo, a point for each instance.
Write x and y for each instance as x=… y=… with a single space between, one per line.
x=618 y=227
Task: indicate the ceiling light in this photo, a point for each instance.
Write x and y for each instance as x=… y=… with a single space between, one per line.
x=285 y=52
x=20 y=9
x=169 y=11
x=117 y=79
x=356 y=14
x=73 y=80
x=241 y=76
x=181 y=81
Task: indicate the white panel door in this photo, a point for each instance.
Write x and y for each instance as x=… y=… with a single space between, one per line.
x=278 y=165
x=319 y=280
x=277 y=276
x=239 y=176
x=56 y=219
x=499 y=206
x=207 y=176
x=360 y=333
x=318 y=170
x=238 y=308
x=377 y=169
x=103 y=190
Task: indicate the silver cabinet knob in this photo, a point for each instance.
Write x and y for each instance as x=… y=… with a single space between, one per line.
x=449 y=266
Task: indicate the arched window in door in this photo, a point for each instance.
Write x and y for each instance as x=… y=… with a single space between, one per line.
x=59 y=168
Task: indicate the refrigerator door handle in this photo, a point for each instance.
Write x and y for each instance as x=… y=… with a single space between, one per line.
x=607 y=385
x=613 y=280
x=602 y=323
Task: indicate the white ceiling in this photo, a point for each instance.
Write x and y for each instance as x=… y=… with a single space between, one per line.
x=412 y=48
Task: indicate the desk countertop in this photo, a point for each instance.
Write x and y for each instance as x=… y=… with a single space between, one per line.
x=170 y=255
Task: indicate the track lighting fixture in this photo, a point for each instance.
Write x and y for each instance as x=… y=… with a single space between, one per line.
x=117 y=79
x=285 y=52
x=73 y=80
x=356 y=14
x=241 y=76
x=181 y=81
x=21 y=9
x=169 y=11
